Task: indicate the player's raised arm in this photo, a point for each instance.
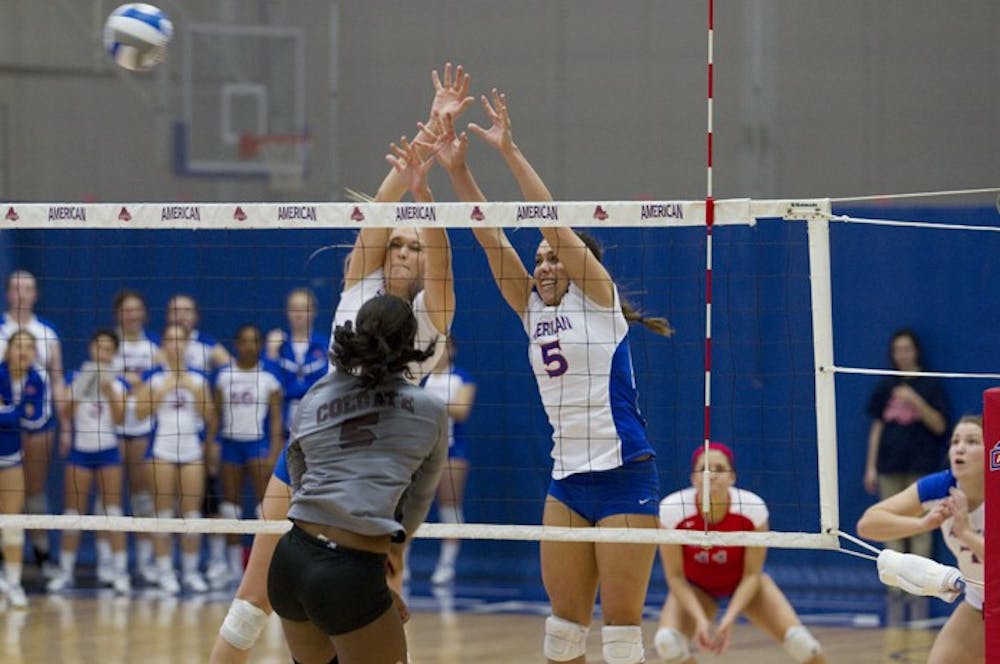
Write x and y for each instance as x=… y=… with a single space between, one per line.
x=583 y=268
x=511 y=277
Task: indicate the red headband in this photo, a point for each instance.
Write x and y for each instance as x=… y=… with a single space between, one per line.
x=698 y=451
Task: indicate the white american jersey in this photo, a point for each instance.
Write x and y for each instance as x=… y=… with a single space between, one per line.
x=46 y=337
x=934 y=488
x=580 y=356
x=178 y=421
x=246 y=395
x=93 y=428
x=136 y=356
x=351 y=300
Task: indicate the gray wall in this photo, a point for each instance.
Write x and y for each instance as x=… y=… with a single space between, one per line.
x=812 y=98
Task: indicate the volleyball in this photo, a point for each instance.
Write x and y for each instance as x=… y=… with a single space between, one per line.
x=136 y=36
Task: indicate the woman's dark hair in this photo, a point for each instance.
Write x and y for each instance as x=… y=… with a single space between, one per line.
x=380 y=341
x=912 y=336
x=656 y=324
x=248 y=326
x=107 y=333
x=125 y=294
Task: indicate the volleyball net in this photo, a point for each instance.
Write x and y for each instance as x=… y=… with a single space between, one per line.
x=799 y=292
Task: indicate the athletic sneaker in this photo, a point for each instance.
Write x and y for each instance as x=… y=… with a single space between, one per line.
x=149 y=573
x=168 y=582
x=17 y=598
x=122 y=584
x=194 y=582
x=443 y=574
x=59 y=582
x=217 y=574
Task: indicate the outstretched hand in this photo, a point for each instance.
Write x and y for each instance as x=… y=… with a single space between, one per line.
x=411 y=167
x=451 y=97
x=499 y=135
x=447 y=148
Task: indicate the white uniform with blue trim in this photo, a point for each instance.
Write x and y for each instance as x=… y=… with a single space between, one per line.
x=351 y=300
x=246 y=395
x=93 y=428
x=580 y=356
x=934 y=488
x=198 y=354
x=178 y=422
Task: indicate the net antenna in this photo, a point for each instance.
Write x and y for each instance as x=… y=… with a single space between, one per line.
x=283 y=156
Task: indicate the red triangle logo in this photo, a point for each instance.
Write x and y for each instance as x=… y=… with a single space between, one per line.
x=11 y=215
x=600 y=214
x=239 y=214
x=357 y=215
x=477 y=214
x=124 y=215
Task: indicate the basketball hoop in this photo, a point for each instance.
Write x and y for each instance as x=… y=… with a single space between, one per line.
x=283 y=156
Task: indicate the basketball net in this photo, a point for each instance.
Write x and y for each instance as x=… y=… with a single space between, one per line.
x=283 y=156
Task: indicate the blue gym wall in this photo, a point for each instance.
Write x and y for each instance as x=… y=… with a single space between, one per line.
x=938 y=283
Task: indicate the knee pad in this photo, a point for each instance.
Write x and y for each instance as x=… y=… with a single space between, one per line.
x=243 y=624
x=113 y=511
x=228 y=510
x=800 y=644
x=12 y=536
x=622 y=644
x=36 y=504
x=564 y=640
x=259 y=512
x=450 y=514
x=143 y=505
x=672 y=646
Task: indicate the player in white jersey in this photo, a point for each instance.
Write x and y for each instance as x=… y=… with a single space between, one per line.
x=206 y=355
x=22 y=295
x=603 y=472
x=414 y=264
x=138 y=353
x=96 y=408
x=457 y=389
x=953 y=500
x=248 y=405
x=181 y=403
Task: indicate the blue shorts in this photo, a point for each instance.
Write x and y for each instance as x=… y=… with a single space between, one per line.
x=11 y=460
x=630 y=489
x=95 y=460
x=48 y=425
x=148 y=454
x=239 y=452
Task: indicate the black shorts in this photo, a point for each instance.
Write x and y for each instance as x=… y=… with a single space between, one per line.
x=337 y=589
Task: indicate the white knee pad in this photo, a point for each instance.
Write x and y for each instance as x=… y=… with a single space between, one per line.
x=800 y=644
x=622 y=644
x=143 y=505
x=243 y=624
x=564 y=640
x=36 y=503
x=672 y=646
x=228 y=510
x=113 y=511
x=12 y=536
x=450 y=514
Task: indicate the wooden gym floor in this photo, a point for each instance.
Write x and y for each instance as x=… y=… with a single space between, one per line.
x=104 y=629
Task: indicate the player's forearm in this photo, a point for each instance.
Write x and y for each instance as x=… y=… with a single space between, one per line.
x=531 y=184
x=465 y=186
x=686 y=598
x=975 y=542
x=748 y=587
x=882 y=525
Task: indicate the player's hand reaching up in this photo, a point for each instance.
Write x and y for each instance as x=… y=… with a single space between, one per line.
x=447 y=148
x=499 y=135
x=451 y=97
x=411 y=167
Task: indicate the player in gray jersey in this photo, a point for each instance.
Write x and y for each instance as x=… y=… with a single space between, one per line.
x=366 y=453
